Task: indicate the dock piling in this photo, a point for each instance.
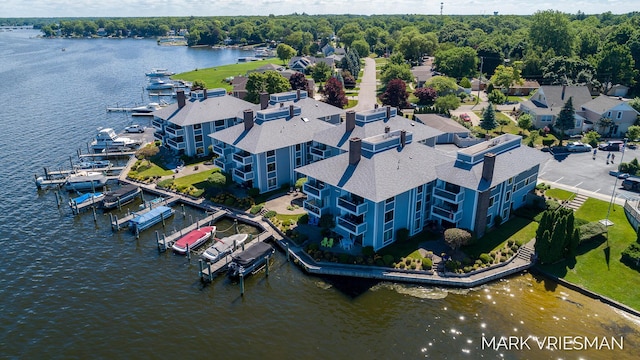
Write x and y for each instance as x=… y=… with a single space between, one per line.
x=210 y=273
x=188 y=253
x=267 y=266
x=117 y=223
x=137 y=233
x=184 y=214
x=57 y=200
x=235 y=225
x=158 y=241
x=241 y=284
x=95 y=218
x=200 y=269
x=162 y=217
x=111 y=220
x=288 y=253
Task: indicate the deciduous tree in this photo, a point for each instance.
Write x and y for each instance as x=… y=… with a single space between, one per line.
x=396 y=94
x=321 y=72
x=334 y=93
x=285 y=52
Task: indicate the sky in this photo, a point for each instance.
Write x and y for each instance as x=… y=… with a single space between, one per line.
x=145 y=8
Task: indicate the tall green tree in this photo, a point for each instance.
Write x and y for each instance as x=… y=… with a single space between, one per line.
x=505 y=76
x=414 y=45
x=488 y=121
x=525 y=122
x=270 y=82
x=457 y=62
x=285 y=52
x=321 y=72
x=566 y=118
x=361 y=47
x=551 y=30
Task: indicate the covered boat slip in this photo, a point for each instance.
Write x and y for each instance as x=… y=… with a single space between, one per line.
x=167 y=241
x=194 y=239
x=121 y=196
x=86 y=200
x=250 y=260
x=144 y=221
x=208 y=271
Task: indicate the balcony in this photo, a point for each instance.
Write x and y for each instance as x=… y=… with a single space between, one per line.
x=315 y=207
x=352 y=205
x=243 y=158
x=243 y=174
x=219 y=162
x=177 y=144
x=449 y=194
x=158 y=136
x=316 y=189
x=157 y=124
x=222 y=150
x=173 y=132
x=352 y=224
x=320 y=151
x=451 y=215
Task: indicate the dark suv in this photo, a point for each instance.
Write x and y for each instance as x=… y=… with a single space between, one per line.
x=613 y=145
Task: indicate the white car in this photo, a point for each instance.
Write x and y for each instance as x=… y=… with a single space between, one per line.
x=577 y=146
x=134 y=129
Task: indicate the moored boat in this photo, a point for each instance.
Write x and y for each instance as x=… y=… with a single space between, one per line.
x=96 y=164
x=92 y=197
x=107 y=139
x=150 y=218
x=124 y=195
x=224 y=246
x=160 y=85
x=250 y=260
x=193 y=239
x=85 y=180
x=159 y=73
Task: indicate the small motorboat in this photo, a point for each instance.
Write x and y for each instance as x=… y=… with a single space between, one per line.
x=148 y=219
x=159 y=73
x=224 y=246
x=85 y=180
x=96 y=164
x=95 y=197
x=124 y=195
x=193 y=239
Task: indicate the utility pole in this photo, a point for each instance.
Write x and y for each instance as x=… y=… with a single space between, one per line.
x=480 y=77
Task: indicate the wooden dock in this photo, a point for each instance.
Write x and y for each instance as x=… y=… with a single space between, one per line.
x=167 y=241
x=107 y=154
x=117 y=224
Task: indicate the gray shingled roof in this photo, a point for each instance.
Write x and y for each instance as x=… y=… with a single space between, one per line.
x=314 y=109
x=339 y=138
x=385 y=174
x=442 y=123
x=602 y=104
x=508 y=164
x=553 y=94
x=201 y=111
x=271 y=135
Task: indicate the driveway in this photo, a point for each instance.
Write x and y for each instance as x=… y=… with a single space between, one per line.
x=367 y=94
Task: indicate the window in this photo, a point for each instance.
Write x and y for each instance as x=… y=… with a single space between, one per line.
x=491 y=201
x=298 y=147
x=272 y=183
x=198 y=138
x=271 y=152
x=507 y=197
x=526 y=182
x=609 y=114
x=298 y=161
x=271 y=167
x=619 y=115
x=197 y=126
x=419 y=206
x=219 y=123
x=420 y=189
x=388 y=235
x=578 y=123
x=388 y=216
x=389 y=200
x=488 y=219
x=510 y=181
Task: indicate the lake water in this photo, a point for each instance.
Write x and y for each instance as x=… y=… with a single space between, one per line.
x=72 y=288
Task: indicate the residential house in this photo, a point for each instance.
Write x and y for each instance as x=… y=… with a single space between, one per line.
x=184 y=126
x=545 y=105
x=524 y=89
x=622 y=115
x=389 y=182
x=452 y=131
x=618 y=90
x=264 y=150
x=304 y=64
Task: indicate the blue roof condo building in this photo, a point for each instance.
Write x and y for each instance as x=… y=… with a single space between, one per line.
x=389 y=182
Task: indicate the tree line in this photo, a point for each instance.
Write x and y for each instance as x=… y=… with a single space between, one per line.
x=549 y=46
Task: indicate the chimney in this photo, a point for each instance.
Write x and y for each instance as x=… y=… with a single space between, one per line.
x=248 y=119
x=355 y=150
x=564 y=87
x=204 y=94
x=291 y=112
x=388 y=112
x=375 y=106
x=403 y=138
x=387 y=129
x=488 y=165
x=298 y=95
x=351 y=120
x=264 y=100
x=182 y=100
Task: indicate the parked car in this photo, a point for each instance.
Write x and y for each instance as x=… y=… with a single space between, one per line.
x=631 y=184
x=465 y=117
x=613 y=145
x=578 y=146
x=134 y=129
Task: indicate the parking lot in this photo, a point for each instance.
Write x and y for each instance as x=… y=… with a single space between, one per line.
x=582 y=173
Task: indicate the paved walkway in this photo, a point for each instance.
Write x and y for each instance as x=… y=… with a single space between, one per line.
x=367 y=94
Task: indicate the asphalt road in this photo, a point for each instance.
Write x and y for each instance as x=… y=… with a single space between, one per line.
x=587 y=175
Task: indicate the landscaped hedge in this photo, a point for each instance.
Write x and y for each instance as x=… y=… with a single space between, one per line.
x=591 y=230
x=631 y=256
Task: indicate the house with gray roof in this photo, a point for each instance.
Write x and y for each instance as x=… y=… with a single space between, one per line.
x=263 y=151
x=389 y=181
x=545 y=105
x=621 y=114
x=184 y=126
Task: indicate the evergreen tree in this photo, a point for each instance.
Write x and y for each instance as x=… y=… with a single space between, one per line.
x=488 y=121
x=566 y=118
x=573 y=243
x=556 y=245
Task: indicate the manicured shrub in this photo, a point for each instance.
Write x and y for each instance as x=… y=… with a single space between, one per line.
x=313 y=246
x=269 y=214
x=367 y=251
x=407 y=261
x=388 y=259
x=304 y=219
x=631 y=256
x=427 y=263
x=253 y=192
x=256 y=209
x=591 y=230
x=485 y=258
x=455 y=237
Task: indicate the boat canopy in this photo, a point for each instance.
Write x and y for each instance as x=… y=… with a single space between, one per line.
x=255 y=252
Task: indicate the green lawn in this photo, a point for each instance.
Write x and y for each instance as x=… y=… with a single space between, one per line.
x=559 y=194
x=149 y=169
x=593 y=268
x=406 y=248
x=198 y=180
x=214 y=77
x=517 y=228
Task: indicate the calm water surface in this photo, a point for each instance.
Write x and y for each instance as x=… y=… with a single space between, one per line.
x=72 y=288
